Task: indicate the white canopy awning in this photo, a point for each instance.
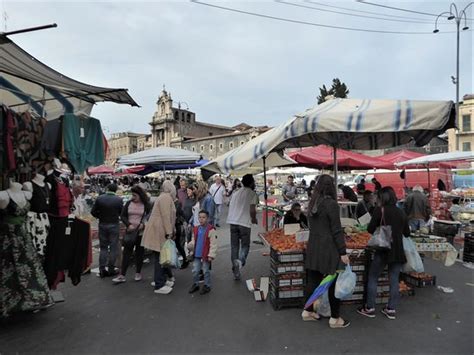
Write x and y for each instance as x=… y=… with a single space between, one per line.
x=25 y=83
x=348 y=124
x=160 y=155
x=439 y=158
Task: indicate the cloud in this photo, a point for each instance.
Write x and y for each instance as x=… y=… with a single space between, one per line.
x=231 y=67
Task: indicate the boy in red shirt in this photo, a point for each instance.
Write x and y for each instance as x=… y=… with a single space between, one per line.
x=203 y=247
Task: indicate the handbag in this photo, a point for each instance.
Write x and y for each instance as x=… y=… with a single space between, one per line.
x=382 y=237
x=130 y=237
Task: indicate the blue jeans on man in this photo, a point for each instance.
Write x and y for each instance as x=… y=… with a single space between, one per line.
x=198 y=265
x=376 y=268
x=108 y=243
x=239 y=243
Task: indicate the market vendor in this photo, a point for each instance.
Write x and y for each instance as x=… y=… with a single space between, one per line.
x=366 y=205
x=289 y=190
x=295 y=215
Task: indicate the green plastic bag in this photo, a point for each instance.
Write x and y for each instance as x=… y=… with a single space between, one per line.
x=167 y=253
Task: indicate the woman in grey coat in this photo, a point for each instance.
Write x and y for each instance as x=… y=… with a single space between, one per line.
x=326 y=250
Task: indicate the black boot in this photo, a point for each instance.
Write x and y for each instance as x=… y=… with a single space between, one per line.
x=185 y=264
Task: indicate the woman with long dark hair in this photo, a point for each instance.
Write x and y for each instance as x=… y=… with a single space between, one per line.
x=133 y=216
x=326 y=251
x=387 y=213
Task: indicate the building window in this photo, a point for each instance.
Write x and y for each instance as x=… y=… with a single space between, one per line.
x=202 y=148
x=466 y=123
x=211 y=147
x=231 y=145
x=242 y=142
x=176 y=117
x=193 y=148
x=210 y=134
x=466 y=146
x=221 y=146
x=188 y=118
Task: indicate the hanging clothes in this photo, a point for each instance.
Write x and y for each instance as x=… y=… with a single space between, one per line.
x=51 y=141
x=66 y=249
x=23 y=285
x=37 y=221
x=83 y=142
x=10 y=129
x=61 y=201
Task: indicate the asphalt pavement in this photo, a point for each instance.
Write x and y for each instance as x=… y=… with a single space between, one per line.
x=99 y=317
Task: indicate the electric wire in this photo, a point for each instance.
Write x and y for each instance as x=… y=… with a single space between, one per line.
x=403 y=9
x=367 y=12
x=283 y=19
x=349 y=14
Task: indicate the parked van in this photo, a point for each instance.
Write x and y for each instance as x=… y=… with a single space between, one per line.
x=413 y=177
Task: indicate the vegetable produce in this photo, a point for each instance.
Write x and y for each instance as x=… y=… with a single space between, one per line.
x=281 y=242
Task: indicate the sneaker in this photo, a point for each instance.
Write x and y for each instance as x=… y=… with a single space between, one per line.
x=113 y=271
x=103 y=273
x=165 y=290
x=172 y=279
x=204 y=290
x=194 y=288
x=367 y=312
x=389 y=313
x=336 y=323
x=169 y=283
x=138 y=276
x=152 y=283
x=119 y=279
x=236 y=269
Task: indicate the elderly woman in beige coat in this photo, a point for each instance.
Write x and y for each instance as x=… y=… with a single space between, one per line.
x=160 y=227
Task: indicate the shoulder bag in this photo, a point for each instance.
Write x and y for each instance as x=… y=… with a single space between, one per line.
x=382 y=237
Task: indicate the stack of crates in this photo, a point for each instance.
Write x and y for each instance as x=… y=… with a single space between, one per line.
x=468 y=253
x=360 y=263
x=287 y=280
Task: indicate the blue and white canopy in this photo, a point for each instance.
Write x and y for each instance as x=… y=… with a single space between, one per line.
x=26 y=83
x=347 y=124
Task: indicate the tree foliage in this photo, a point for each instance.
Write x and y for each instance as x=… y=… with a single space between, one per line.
x=338 y=89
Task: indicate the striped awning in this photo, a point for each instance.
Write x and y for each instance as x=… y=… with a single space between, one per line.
x=26 y=83
x=348 y=124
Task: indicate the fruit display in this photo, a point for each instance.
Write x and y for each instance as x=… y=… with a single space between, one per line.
x=403 y=287
x=421 y=275
x=356 y=239
x=281 y=242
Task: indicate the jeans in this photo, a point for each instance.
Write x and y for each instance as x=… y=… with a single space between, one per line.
x=160 y=272
x=376 y=268
x=416 y=224
x=217 y=215
x=239 y=243
x=127 y=254
x=108 y=242
x=313 y=279
x=199 y=265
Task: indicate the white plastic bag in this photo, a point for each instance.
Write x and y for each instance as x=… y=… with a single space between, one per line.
x=169 y=255
x=322 y=307
x=414 y=262
x=345 y=283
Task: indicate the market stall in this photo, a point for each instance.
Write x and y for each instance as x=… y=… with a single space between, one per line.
x=47 y=135
x=339 y=123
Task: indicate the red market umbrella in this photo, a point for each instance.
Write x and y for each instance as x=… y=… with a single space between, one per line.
x=322 y=156
x=102 y=169
x=400 y=156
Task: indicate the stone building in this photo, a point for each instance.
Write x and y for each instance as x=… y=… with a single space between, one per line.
x=144 y=142
x=466 y=126
x=170 y=126
x=178 y=128
x=122 y=144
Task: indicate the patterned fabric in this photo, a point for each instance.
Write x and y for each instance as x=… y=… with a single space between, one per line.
x=23 y=285
x=37 y=227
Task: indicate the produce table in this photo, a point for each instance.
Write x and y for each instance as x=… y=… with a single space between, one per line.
x=437 y=248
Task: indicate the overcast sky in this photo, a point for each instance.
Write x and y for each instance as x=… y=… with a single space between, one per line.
x=231 y=67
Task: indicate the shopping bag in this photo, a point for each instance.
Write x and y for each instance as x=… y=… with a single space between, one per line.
x=322 y=307
x=168 y=254
x=382 y=237
x=345 y=283
x=414 y=262
x=364 y=220
x=130 y=238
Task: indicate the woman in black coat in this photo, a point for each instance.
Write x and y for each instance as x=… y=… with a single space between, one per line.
x=326 y=251
x=388 y=214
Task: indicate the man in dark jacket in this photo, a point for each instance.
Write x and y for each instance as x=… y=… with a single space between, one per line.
x=107 y=208
x=366 y=205
x=417 y=208
x=349 y=195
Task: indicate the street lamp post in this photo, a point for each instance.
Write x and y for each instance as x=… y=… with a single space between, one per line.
x=455 y=14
